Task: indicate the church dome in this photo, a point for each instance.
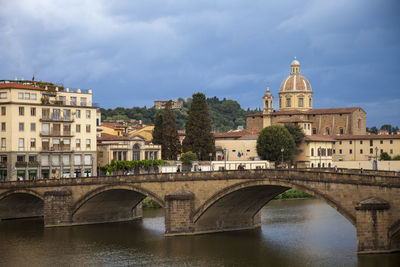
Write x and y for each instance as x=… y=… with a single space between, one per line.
x=295 y=82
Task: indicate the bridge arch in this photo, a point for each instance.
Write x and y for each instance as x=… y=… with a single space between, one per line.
x=21 y=203
x=259 y=193
x=110 y=203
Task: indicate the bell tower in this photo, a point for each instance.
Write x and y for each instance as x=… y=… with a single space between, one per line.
x=268 y=101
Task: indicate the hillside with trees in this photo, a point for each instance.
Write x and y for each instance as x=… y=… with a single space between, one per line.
x=225 y=114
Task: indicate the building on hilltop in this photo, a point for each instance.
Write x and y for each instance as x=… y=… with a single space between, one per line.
x=160 y=104
x=47 y=131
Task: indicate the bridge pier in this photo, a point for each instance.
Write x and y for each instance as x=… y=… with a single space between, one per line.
x=372 y=223
x=179 y=207
x=57 y=207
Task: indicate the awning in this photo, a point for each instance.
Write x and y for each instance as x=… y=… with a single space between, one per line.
x=32 y=171
x=20 y=171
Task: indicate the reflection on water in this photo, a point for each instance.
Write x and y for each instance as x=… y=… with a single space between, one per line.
x=293 y=233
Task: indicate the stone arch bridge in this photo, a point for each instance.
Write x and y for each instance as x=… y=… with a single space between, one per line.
x=204 y=202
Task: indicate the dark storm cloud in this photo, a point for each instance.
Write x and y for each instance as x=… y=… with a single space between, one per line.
x=133 y=52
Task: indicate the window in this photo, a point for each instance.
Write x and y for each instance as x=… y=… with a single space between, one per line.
x=83 y=101
x=33 y=142
x=312 y=152
x=67 y=114
x=340 y=142
x=56 y=114
x=78 y=113
x=27 y=96
x=350 y=151
x=3 y=95
x=88 y=160
x=371 y=151
x=350 y=142
x=381 y=142
x=20 y=158
x=3 y=142
x=333 y=151
x=381 y=151
x=33 y=126
x=45 y=144
x=55 y=160
x=44 y=160
x=327 y=131
x=88 y=128
x=288 y=102
x=21 y=111
x=391 y=142
x=391 y=151
x=87 y=143
x=3 y=111
x=33 y=96
x=32 y=158
x=33 y=111
x=340 y=151
x=78 y=143
x=73 y=101
x=87 y=114
x=3 y=126
x=45 y=128
x=361 y=151
x=21 y=143
x=301 y=102
x=341 y=130
x=45 y=113
x=371 y=142
x=21 y=126
x=20 y=95
x=314 y=130
x=65 y=160
x=78 y=128
x=361 y=142
x=77 y=159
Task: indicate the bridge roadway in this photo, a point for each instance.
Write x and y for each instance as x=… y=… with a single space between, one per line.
x=204 y=202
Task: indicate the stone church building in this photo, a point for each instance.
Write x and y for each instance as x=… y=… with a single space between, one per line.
x=295 y=106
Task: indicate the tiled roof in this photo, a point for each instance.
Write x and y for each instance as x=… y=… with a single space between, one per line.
x=113 y=125
x=318 y=137
x=19 y=86
x=235 y=134
x=316 y=111
x=255 y=115
x=110 y=137
x=367 y=137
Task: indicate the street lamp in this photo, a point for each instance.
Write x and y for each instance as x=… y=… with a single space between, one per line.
x=210 y=154
x=376 y=158
x=225 y=159
x=199 y=155
x=282 y=150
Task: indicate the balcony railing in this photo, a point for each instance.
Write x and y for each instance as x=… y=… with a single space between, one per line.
x=3 y=164
x=57 y=133
x=33 y=164
x=61 y=148
x=56 y=118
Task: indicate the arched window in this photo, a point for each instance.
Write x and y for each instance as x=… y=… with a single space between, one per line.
x=288 y=102
x=312 y=165
x=312 y=152
x=301 y=104
x=266 y=103
x=327 y=131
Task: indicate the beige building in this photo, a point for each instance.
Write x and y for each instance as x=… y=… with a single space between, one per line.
x=236 y=145
x=113 y=147
x=365 y=147
x=47 y=131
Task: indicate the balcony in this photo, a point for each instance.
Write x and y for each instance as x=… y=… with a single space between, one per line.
x=33 y=164
x=56 y=119
x=21 y=164
x=56 y=134
x=3 y=164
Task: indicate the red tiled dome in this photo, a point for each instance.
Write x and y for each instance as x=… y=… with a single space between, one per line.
x=295 y=83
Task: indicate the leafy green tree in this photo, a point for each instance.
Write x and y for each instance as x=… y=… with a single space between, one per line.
x=397 y=157
x=199 y=138
x=271 y=140
x=296 y=132
x=188 y=157
x=372 y=130
x=170 y=144
x=384 y=156
x=157 y=131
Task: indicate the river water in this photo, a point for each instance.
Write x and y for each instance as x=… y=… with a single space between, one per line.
x=293 y=233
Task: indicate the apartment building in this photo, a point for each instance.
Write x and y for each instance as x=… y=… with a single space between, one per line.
x=47 y=131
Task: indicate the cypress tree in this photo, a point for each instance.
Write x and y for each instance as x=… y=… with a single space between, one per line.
x=199 y=138
x=170 y=139
x=157 y=131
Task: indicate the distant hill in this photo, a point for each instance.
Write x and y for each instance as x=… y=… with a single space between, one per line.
x=225 y=114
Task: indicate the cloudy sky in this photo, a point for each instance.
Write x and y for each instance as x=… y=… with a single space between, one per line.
x=134 y=52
